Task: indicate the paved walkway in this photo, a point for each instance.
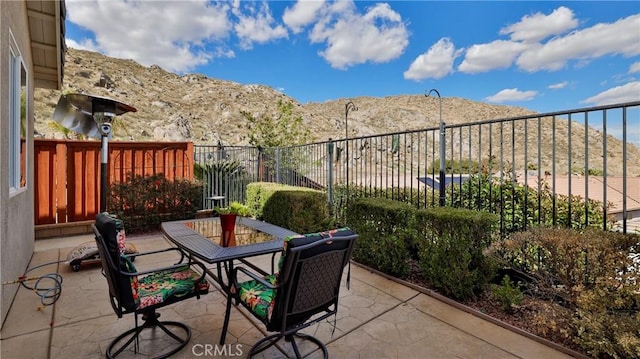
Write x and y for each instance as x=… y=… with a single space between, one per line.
x=377 y=318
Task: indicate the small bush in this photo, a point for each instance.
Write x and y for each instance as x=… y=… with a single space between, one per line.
x=384 y=228
x=567 y=261
x=452 y=250
x=509 y=295
x=608 y=320
x=593 y=275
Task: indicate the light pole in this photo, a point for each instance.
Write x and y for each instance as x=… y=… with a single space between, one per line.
x=442 y=149
x=350 y=106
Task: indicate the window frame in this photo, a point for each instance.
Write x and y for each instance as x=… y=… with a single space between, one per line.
x=18 y=124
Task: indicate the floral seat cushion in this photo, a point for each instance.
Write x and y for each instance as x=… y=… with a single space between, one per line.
x=159 y=287
x=258 y=296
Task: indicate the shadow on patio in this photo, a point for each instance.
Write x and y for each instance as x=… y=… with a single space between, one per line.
x=377 y=318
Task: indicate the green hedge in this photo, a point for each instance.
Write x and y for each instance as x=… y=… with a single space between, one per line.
x=384 y=229
x=302 y=211
x=452 y=249
x=143 y=202
x=258 y=194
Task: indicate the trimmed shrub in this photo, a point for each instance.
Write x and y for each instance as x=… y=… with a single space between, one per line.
x=258 y=194
x=145 y=202
x=300 y=211
x=452 y=251
x=384 y=228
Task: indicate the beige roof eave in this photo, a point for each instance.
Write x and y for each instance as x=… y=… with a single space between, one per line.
x=46 y=28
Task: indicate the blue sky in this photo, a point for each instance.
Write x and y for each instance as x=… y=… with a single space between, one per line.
x=544 y=55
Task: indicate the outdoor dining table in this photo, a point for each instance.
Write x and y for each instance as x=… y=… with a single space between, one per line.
x=201 y=239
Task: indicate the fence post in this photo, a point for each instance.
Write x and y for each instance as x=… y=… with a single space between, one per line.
x=442 y=164
x=330 y=174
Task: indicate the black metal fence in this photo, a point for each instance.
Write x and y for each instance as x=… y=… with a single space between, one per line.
x=573 y=168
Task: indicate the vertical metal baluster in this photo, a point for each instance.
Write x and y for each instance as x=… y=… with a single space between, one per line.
x=513 y=172
x=624 y=170
x=539 y=170
x=501 y=177
x=604 y=169
x=525 y=216
x=586 y=167
x=570 y=219
x=553 y=166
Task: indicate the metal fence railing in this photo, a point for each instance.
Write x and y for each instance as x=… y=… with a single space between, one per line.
x=573 y=168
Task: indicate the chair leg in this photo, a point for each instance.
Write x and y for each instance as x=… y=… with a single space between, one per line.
x=263 y=344
x=150 y=322
x=270 y=340
x=310 y=338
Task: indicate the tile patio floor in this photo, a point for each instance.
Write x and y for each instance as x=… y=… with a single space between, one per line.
x=377 y=318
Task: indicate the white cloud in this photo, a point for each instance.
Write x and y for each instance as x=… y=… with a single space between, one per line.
x=513 y=94
x=302 y=14
x=256 y=24
x=625 y=93
x=538 y=26
x=635 y=67
x=621 y=37
x=436 y=63
x=84 y=44
x=498 y=54
x=559 y=85
x=153 y=32
x=377 y=36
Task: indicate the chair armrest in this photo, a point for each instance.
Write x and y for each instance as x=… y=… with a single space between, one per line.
x=254 y=276
x=139 y=254
x=171 y=267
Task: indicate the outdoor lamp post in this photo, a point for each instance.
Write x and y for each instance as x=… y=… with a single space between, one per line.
x=442 y=150
x=350 y=106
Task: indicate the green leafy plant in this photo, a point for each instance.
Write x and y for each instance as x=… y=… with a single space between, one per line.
x=509 y=295
x=236 y=208
x=521 y=207
x=284 y=129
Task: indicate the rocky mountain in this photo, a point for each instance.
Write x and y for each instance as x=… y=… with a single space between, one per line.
x=204 y=110
x=196 y=108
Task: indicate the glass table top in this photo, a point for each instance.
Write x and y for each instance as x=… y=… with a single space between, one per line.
x=243 y=234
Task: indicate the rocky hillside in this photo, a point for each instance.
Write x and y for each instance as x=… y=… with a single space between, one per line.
x=203 y=110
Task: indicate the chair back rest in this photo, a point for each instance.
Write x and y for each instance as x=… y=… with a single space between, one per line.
x=110 y=239
x=310 y=275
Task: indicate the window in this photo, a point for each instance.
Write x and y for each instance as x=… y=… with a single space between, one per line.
x=17 y=119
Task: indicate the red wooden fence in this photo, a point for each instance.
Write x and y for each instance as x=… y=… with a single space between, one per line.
x=67 y=173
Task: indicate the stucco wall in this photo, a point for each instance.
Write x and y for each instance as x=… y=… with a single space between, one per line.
x=16 y=210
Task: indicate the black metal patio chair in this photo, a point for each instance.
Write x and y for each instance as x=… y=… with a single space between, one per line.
x=304 y=291
x=142 y=292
